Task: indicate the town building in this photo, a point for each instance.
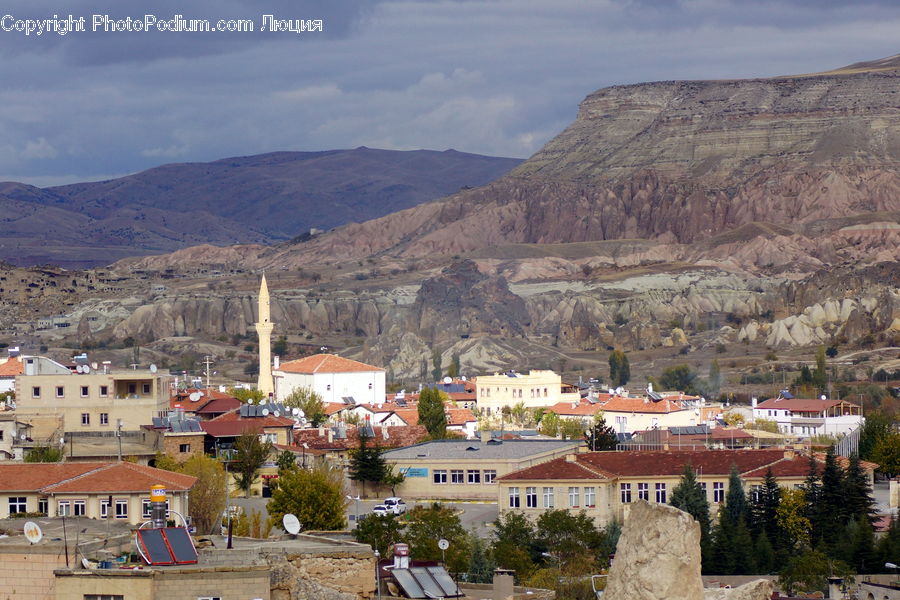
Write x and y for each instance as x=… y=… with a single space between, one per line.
x=534 y=389
x=336 y=379
x=606 y=484
x=10 y=367
x=808 y=417
x=85 y=490
x=468 y=469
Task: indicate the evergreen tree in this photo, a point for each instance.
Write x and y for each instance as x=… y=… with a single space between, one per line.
x=857 y=492
x=764 y=554
x=481 y=566
x=863 y=544
x=714 y=383
x=877 y=426
x=721 y=556
x=367 y=463
x=743 y=551
x=888 y=548
x=832 y=500
x=689 y=497
x=601 y=436
x=432 y=414
x=820 y=375
x=436 y=363
x=813 y=489
x=735 y=508
x=764 y=508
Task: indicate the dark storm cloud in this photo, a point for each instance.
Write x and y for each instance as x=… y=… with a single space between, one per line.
x=491 y=76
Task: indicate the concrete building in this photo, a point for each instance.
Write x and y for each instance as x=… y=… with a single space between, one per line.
x=9 y=368
x=333 y=377
x=807 y=417
x=88 y=402
x=537 y=388
x=468 y=469
x=85 y=489
x=606 y=484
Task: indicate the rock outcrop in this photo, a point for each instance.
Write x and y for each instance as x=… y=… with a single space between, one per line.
x=658 y=557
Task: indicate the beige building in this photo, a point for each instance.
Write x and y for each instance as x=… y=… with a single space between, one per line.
x=537 y=388
x=468 y=469
x=333 y=377
x=93 y=401
x=86 y=489
x=606 y=484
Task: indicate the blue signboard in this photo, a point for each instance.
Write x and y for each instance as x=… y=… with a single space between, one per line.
x=414 y=472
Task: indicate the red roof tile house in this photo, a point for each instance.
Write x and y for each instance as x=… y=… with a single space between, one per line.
x=606 y=484
x=334 y=377
x=807 y=417
x=85 y=490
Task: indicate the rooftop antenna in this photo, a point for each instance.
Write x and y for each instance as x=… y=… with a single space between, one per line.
x=207 y=360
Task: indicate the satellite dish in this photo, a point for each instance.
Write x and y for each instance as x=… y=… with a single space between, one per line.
x=295 y=411
x=824 y=397
x=448 y=380
x=249 y=400
x=33 y=532
x=277 y=413
x=300 y=413
x=612 y=392
x=153 y=368
x=265 y=412
x=443 y=544
x=85 y=369
x=195 y=396
x=78 y=369
x=291 y=524
x=22 y=437
x=85 y=563
x=95 y=366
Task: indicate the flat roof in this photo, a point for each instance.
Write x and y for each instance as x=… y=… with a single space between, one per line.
x=475 y=449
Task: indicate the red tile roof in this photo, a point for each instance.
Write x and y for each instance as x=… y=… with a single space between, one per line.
x=800 y=404
x=398 y=437
x=656 y=463
x=89 y=478
x=182 y=399
x=582 y=409
x=218 y=405
x=640 y=405
x=559 y=468
x=334 y=407
x=326 y=363
x=12 y=366
x=460 y=416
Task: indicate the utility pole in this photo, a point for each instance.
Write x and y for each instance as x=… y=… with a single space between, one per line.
x=207 y=360
x=119 y=436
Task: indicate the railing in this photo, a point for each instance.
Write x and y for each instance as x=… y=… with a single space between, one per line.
x=849 y=444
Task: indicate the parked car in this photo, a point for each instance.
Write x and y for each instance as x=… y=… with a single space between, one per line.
x=381 y=510
x=395 y=505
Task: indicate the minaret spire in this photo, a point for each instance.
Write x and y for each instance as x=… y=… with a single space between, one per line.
x=264 y=330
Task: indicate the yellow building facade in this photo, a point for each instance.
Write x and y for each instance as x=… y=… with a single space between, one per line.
x=534 y=389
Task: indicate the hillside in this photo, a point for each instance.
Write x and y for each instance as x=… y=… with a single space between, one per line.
x=254 y=199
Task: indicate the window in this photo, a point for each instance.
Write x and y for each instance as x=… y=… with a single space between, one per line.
x=104 y=509
x=370 y=386
x=121 y=509
x=132 y=388
x=104 y=597
x=574 y=497
x=328 y=388
x=1 y=435
x=43 y=505
x=208 y=598
x=545 y=392
x=60 y=391
x=548 y=497
x=146 y=388
x=514 y=497
x=78 y=507
x=84 y=391
x=590 y=500
x=661 y=493
x=702 y=485
x=145 y=508
x=490 y=475
x=17 y=504
x=755 y=492
x=184 y=447
x=644 y=491
x=531 y=497
x=718 y=492
x=270 y=437
x=625 y=489
x=85 y=418
x=104 y=418
x=456 y=476
x=104 y=390
x=63 y=509
x=36 y=392
x=474 y=476
x=439 y=476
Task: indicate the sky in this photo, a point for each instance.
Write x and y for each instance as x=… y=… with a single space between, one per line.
x=497 y=77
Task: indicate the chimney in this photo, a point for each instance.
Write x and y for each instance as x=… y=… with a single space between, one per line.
x=321 y=431
x=571 y=458
x=276 y=362
x=485 y=436
x=753 y=402
x=330 y=435
x=790 y=453
x=503 y=584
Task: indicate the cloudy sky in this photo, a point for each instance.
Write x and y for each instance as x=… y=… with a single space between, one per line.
x=496 y=77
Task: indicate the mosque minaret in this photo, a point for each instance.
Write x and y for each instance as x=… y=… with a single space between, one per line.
x=264 y=329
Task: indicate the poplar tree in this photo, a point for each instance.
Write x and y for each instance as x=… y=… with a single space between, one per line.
x=432 y=414
x=689 y=497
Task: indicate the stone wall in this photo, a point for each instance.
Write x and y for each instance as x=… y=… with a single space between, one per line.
x=26 y=572
x=345 y=575
x=222 y=582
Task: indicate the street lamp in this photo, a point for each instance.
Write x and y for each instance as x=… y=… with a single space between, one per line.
x=349 y=497
x=378 y=573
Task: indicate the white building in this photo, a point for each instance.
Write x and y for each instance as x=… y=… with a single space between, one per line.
x=332 y=376
x=805 y=417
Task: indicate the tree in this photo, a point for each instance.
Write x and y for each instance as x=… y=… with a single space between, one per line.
x=571 y=538
x=809 y=572
x=429 y=524
x=515 y=545
x=44 y=454
x=287 y=460
x=820 y=375
x=454 y=369
x=878 y=426
x=571 y=429
x=689 y=497
x=550 y=424
x=392 y=478
x=764 y=509
x=679 y=377
x=887 y=454
x=250 y=453
x=367 y=463
x=736 y=508
x=280 y=347
x=858 y=498
x=207 y=498
x=619 y=368
x=380 y=531
x=310 y=402
x=714 y=383
x=813 y=490
x=243 y=394
x=601 y=436
x=481 y=567
x=316 y=497
x=432 y=413
x=436 y=363
x=792 y=519
x=832 y=499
